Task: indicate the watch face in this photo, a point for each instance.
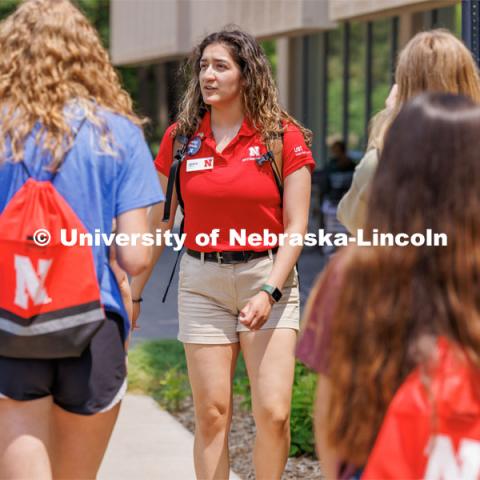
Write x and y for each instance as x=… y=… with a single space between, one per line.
x=276 y=294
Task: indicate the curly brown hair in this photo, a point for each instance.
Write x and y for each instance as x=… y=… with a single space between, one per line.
x=397 y=301
x=259 y=93
x=51 y=57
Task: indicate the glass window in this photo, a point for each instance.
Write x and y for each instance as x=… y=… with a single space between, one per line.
x=357 y=92
x=448 y=17
x=381 y=63
x=334 y=85
x=270 y=49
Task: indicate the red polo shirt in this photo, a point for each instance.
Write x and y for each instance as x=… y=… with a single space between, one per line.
x=229 y=190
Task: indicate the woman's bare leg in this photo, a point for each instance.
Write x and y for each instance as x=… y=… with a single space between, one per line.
x=270 y=360
x=211 y=369
x=79 y=442
x=25 y=438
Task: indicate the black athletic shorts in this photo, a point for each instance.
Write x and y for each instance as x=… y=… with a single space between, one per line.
x=91 y=383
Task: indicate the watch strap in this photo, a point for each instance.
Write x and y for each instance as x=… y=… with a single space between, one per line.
x=274 y=292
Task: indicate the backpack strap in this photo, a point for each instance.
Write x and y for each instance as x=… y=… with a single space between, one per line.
x=274 y=155
x=26 y=169
x=172 y=273
x=54 y=174
x=276 y=148
x=179 y=149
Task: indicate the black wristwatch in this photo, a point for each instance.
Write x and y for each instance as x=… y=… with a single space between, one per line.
x=274 y=292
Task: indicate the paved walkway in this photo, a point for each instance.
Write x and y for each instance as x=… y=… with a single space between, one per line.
x=148 y=444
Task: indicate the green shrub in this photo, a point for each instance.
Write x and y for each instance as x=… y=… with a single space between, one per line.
x=241 y=387
x=241 y=384
x=159 y=369
x=301 y=422
x=303 y=396
x=173 y=389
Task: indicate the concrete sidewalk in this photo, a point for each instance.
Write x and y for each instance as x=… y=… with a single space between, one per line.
x=148 y=443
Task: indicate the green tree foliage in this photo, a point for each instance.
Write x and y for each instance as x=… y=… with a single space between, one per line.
x=357 y=87
x=98 y=12
x=7 y=7
x=270 y=49
x=335 y=83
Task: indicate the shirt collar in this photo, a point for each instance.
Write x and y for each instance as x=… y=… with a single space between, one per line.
x=246 y=130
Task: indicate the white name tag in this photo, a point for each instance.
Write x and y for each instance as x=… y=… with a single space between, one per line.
x=196 y=164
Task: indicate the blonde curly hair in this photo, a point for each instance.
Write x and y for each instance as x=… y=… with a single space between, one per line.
x=52 y=58
x=259 y=93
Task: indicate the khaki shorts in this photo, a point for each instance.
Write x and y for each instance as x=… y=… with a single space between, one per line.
x=211 y=295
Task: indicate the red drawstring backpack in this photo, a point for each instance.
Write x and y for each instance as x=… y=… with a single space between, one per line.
x=49 y=297
x=432 y=434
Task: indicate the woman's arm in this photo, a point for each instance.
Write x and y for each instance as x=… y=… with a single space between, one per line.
x=353 y=207
x=155 y=216
x=133 y=258
x=296 y=202
x=124 y=286
x=122 y=278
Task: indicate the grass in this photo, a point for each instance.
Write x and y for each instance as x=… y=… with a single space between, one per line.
x=149 y=360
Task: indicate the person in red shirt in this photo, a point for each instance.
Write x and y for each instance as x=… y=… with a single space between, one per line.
x=237 y=292
x=432 y=431
x=393 y=330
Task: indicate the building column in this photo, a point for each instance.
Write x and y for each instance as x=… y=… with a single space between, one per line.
x=409 y=25
x=296 y=83
x=161 y=119
x=302 y=84
x=283 y=68
x=315 y=95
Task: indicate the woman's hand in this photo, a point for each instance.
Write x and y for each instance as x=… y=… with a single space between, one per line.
x=125 y=291
x=392 y=97
x=256 y=312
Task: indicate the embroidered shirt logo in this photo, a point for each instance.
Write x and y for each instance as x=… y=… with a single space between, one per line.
x=253 y=154
x=253 y=151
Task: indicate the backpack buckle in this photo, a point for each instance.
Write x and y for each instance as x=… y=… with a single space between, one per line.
x=267 y=157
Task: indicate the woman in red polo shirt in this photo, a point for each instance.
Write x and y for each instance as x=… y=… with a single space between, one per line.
x=236 y=294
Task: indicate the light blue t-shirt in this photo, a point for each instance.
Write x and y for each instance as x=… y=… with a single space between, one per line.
x=98 y=186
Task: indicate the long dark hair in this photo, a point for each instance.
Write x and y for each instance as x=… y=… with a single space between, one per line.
x=259 y=93
x=396 y=301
